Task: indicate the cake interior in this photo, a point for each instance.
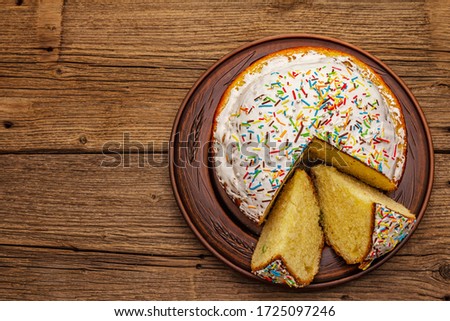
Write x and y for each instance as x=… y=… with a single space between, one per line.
x=347 y=207
x=319 y=149
x=292 y=233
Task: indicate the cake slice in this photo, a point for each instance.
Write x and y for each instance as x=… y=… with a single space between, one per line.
x=291 y=242
x=359 y=222
x=320 y=149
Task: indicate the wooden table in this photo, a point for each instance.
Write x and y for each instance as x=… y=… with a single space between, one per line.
x=81 y=77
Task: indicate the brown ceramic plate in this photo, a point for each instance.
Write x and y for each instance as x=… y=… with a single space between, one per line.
x=216 y=220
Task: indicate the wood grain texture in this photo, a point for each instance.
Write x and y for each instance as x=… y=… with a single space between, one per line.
x=75 y=75
x=111 y=233
x=34 y=273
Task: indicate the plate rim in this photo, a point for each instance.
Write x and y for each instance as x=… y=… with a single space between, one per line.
x=248 y=45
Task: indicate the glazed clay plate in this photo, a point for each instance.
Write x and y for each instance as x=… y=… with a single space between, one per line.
x=210 y=213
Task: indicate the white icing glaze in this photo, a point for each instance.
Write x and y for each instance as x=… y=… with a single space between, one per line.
x=273 y=113
x=276 y=272
x=390 y=228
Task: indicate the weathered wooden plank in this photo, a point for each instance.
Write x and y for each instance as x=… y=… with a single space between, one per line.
x=70 y=201
x=136 y=31
x=57 y=115
x=37 y=273
x=191 y=27
x=49 y=28
x=61 y=200
x=77 y=125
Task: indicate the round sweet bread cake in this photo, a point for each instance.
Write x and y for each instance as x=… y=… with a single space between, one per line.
x=283 y=102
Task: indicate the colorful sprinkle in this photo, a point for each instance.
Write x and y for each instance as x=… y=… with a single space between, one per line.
x=390 y=229
x=335 y=101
